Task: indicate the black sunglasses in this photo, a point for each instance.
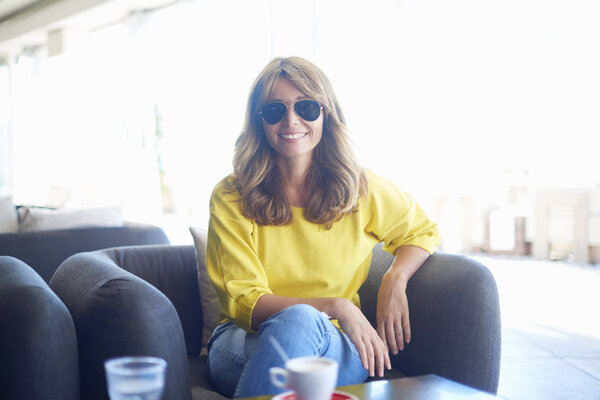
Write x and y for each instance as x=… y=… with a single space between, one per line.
x=308 y=110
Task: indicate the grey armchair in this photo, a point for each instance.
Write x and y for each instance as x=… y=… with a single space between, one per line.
x=38 y=346
x=454 y=319
x=145 y=300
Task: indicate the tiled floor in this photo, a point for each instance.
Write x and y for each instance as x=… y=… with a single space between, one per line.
x=551 y=328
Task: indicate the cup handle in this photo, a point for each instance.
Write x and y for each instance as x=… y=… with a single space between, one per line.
x=276 y=372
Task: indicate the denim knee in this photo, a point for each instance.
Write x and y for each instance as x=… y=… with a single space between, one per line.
x=300 y=320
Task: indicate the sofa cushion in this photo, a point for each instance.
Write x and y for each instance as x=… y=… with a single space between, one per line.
x=40 y=219
x=211 y=308
x=8 y=215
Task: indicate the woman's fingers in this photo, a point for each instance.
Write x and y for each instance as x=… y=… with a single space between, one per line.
x=374 y=354
x=372 y=357
x=406 y=329
x=396 y=334
x=385 y=360
x=378 y=357
x=399 y=335
x=391 y=337
x=367 y=353
x=362 y=352
x=369 y=362
x=371 y=347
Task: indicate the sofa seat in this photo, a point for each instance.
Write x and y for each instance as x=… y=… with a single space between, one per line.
x=199 y=380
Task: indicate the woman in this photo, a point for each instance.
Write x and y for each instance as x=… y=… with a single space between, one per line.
x=290 y=240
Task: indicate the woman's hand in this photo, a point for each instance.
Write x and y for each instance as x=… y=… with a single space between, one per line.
x=373 y=352
x=393 y=324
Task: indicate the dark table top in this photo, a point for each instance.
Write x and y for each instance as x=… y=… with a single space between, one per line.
x=429 y=387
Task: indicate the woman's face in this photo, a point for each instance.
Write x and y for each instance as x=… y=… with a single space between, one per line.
x=292 y=137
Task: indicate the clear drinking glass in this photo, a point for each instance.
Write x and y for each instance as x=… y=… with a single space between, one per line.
x=135 y=378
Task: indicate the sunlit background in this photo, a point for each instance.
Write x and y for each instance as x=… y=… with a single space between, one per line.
x=479 y=108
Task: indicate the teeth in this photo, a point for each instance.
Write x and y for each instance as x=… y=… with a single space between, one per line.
x=293 y=136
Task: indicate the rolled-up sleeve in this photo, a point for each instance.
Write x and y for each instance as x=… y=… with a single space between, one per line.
x=231 y=259
x=396 y=219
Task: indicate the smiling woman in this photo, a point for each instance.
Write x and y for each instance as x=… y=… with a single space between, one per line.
x=290 y=237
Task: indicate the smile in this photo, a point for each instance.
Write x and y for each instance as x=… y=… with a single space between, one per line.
x=293 y=135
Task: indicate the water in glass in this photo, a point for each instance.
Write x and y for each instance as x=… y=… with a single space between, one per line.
x=135 y=378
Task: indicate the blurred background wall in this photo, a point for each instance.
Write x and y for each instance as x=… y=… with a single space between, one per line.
x=485 y=111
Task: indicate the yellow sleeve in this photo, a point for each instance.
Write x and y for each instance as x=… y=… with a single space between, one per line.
x=231 y=258
x=396 y=219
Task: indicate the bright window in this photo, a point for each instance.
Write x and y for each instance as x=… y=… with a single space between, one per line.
x=449 y=99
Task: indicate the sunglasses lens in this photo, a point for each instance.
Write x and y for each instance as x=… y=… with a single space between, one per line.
x=272 y=113
x=308 y=110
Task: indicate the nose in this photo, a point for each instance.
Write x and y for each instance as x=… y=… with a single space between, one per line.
x=291 y=118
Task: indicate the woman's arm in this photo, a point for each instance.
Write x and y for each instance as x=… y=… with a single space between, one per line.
x=270 y=304
x=372 y=350
x=398 y=221
x=393 y=324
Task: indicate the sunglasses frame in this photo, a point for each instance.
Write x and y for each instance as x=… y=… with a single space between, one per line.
x=286 y=110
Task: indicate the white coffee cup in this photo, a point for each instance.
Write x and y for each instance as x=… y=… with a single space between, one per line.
x=311 y=378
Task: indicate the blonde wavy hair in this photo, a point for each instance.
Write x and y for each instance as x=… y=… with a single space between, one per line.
x=336 y=178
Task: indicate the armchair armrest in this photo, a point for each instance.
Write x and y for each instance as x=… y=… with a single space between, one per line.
x=454 y=318
x=38 y=346
x=117 y=314
x=174 y=271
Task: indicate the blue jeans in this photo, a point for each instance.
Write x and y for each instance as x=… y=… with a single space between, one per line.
x=239 y=361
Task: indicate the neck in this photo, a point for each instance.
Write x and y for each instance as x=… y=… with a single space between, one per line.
x=293 y=176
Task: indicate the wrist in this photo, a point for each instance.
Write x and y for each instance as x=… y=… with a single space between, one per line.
x=335 y=307
x=399 y=276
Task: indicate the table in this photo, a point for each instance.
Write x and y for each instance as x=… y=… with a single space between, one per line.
x=413 y=388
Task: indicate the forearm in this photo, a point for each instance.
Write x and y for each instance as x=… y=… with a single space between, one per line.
x=407 y=261
x=270 y=304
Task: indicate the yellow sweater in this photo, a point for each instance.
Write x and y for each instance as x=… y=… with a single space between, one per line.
x=246 y=260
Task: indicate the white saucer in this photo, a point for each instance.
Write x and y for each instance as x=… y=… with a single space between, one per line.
x=337 y=395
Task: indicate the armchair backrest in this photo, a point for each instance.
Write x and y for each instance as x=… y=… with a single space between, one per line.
x=44 y=251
